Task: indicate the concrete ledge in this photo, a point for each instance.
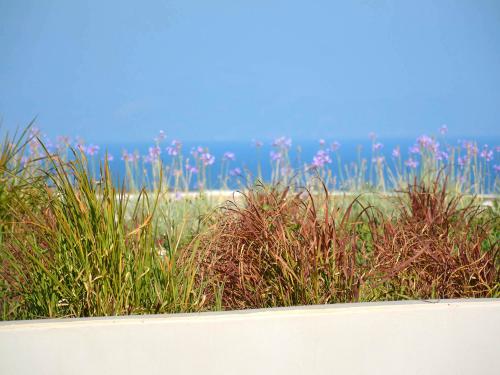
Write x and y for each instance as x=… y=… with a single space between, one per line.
x=417 y=337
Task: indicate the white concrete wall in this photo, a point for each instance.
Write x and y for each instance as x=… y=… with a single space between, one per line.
x=449 y=337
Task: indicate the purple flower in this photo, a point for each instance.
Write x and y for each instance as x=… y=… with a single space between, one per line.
x=428 y=143
x=229 y=156
x=434 y=147
x=378 y=160
x=372 y=136
x=396 y=153
x=442 y=155
x=197 y=151
x=424 y=140
x=175 y=148
x=443 y=129
x=191 y=169
x=132 y=157
x=377 y=146
x=321 y=158
x=415 y=149
x=411 y=163
x=80 y=144
x=161 y=136
x=335 y=146
x=154 y=153
x=126 y=156
x=486 y=154
x=497 y=148
x=470 y=146
x=322 y=142
x=283 y=142
x=462 y=161
x=235 y=172
x=172 y=151
x=207 y=159
x=275 y=156
x=496 y=168
x=110 y=157
x=92 y=150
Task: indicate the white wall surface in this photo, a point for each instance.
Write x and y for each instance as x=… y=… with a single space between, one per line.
x=446 y=337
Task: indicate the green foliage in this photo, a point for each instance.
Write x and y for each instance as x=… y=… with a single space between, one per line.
x=72 y=245
x=89 y=250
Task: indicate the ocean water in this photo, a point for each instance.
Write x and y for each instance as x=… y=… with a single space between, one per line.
x=248 y=157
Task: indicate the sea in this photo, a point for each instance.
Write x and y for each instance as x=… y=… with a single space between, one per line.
x=248 y=157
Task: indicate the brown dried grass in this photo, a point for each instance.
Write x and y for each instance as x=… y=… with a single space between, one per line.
x=435 y=246
x=282 y=249
x=277 y=248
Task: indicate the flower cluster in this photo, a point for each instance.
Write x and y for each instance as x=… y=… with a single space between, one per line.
x=195 y=152
x=486 y=153
x=442 y=155
x=130 y=157
x=470 y=147
x=396 y=152
x=465 y=159
x=207 y=159
x=236 y=172
x=320 y=159
x=411 y=163
x=275 y=156
x=174 y=148
x=283 y=143
x=191 y=168
x=229 y=156
x=92 y=150
x=427 y=143
x=154 y=153
x=160 y=137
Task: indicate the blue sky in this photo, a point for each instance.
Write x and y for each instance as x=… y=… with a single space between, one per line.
x=221 y=70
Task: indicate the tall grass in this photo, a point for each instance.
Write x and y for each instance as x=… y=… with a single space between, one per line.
x=277 y=248
x=471 y=168
x=75 y=243
x=438 y=245
x=88 y=249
